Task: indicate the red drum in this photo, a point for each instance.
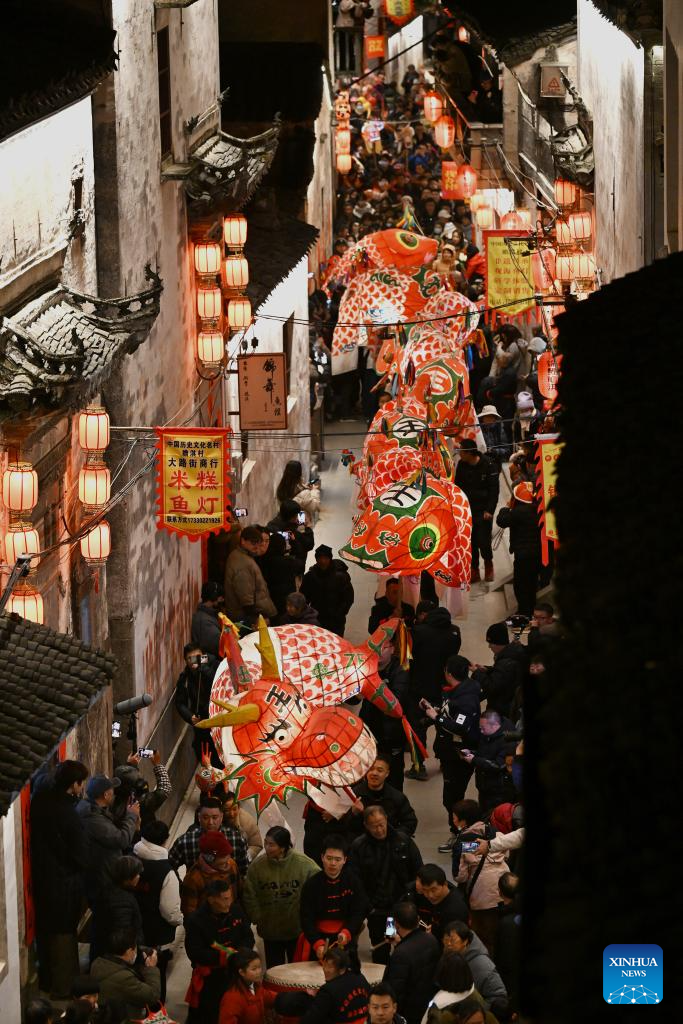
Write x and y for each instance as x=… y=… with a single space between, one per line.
x=297 y=977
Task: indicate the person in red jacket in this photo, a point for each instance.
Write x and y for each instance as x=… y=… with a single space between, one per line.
x=246 y=1000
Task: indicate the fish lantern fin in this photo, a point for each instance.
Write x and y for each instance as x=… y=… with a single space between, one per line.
x=269 y=667
x=235 y=714
x=229 y=648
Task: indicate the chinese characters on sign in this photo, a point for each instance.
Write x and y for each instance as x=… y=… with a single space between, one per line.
x=262 y=381
x=399 y=11
x=509 y=277
x=193 y=480
x=449 y=180
x=374 y=47
x=548 y=453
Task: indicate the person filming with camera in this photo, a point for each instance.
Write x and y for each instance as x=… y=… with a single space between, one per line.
x=192 y=696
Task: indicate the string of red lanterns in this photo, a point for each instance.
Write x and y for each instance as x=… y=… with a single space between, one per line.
x=20 y=496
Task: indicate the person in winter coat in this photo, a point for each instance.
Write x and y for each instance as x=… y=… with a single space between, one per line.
x=520 y=516
x=327 y=586
x=375 y=791
x=477 y=475
x=246 y=593
x=122 y=982
x=246 y=1001
x=494 y=783
x=389 y=606
x=343 y=999
x=435 y=640
x=498 y=448
x=158 y=894
x=478 y=876
x=459 y=938
x=281 y=571
x=186 y=848
x=206 y=627
x=508 y=937
x=499 y=682
x=382 y=1005
x=387 y=862
x=116 y=907
x=59 y=858
x=298 y=612
x=212 y=934
x=135 y=786
x=235 y=816
x=299 y=536
x=437 y=900
x=410 y=971
x=333 y=904
x=214 y=862
x=192 y=696
x=457 y=1001
x=107 y=839
x=272 y=894
x=293 y=488
x=387 y=730
x=457 y=726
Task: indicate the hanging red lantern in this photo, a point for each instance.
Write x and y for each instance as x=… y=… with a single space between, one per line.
x=209 y=303
x=543 y=269
x=22 y=542
x=580 y=226
x=467 y=180
x=94 y=486
x=236 y=272
x=565 y=193
x=239 y=313
x=96 y=545
x=548 y=373
x=93 y=429
x=235 y=230
x=210 y=347
x=444 y=132
x=563 y=234
x=344 y=163
x=20 y=488
x=28 y=603
x=207 y=258
x=343 y=140
x=579 y=267
x=433 y=106
x=486 y=217
x=477 y=201
x=512 y=221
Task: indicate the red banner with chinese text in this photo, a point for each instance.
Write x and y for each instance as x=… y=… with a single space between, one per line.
x=29 y=907
x=399 y=11
x=193 y=480
x=549 y=449
x=449 y=180
x=509 y=275
x=374 y=47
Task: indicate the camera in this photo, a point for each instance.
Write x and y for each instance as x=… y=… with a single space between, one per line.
x=116 y=730
x=240 y=513
x=198 y=659
x=390 y=930
x=518 y=622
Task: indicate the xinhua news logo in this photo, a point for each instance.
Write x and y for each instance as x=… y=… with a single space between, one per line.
x=633 y=974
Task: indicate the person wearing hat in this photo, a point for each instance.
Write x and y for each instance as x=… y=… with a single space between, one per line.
x=520 y=517
x=133 y=784
x=477 y=475
x=527 y=418
x=215 y=861
x=59 y=857
x=497 y=445
x=107 y=839
x=499 y=682
x=158 y=894
x=327 y=587
x=206 y=628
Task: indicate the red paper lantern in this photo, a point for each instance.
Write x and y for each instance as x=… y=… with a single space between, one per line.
x=235 y=230
x=467 y=180
x=236 y=272
x=209 y=303
x=207 y=258
x=96 y=545
x=433 y=106
x=210 y=347
x=548 y=372
x=93 y=429
x=239 y=313
x=486 y=217
x=344 y=163
x=21 y=542
x=580 y=226
x=543 y=269
x=579 y=267
x=94 y=486
x=564 y=235
x=20 y=487
x=512 y=221
x=343 y=140
x=565 y=193
x=444 y=132
x=28 y=603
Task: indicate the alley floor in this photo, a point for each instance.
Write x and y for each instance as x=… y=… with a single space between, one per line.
x=487 y=603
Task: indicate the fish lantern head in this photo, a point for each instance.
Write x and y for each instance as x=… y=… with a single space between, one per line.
x=207 y=777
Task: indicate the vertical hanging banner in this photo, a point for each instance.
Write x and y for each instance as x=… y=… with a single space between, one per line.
x=193 y=480
x=262 y=381
x=374 y=47
x=399 y=11
x=509 y=273
x=450 y=188
x=29 y=906
x=549 y=449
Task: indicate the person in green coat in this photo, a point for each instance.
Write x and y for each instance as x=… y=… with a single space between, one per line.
x=122 y=982
x=272 y=893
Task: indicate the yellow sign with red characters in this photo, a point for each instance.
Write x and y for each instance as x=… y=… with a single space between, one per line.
x=548 y=453
x=509 y=277
x=193 y=480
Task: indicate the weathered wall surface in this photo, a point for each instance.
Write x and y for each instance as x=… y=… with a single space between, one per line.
x=673 y=123
x=10 y=964
x=409 y=38
x=320 y=197
x=610 y=81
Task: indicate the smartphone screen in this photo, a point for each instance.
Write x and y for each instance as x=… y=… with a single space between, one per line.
x=469 y=847
x=301 y=518
x=145 y=752
x=390 y=930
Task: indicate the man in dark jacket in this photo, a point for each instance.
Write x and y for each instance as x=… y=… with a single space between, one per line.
x=389 y=606
x=206 y=628
x=298 y=612
x=121 y=981
x=327 y=586
x=477 y=475
x=457 y=726
x=520 y=516
x=59 y=857
x=499 y=681
x=299 y=536
x=508 y=937
x=374 y=791
x=435 y=640
x=387 y=862
x=280 y=571
x=212 y=933
x=133 y=784
x=107 y=839
x=492 y=778
x=192 y=696
x=343 y=999
x=333 y=902
x=410 y=971
x=438 y=901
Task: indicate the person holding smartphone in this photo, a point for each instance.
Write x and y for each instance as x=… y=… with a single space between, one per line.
x=192 y=696
x=301 y=539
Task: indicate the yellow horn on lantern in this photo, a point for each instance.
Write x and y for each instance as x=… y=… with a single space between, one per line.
x=234 y=714
x=227 y=623
x=269 y=669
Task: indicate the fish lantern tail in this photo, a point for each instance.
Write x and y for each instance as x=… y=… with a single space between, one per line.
x=414 y=742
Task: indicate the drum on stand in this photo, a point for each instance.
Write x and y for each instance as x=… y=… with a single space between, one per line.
x=302 y=976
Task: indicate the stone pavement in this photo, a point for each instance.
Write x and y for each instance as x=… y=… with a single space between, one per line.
x=486 y=605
